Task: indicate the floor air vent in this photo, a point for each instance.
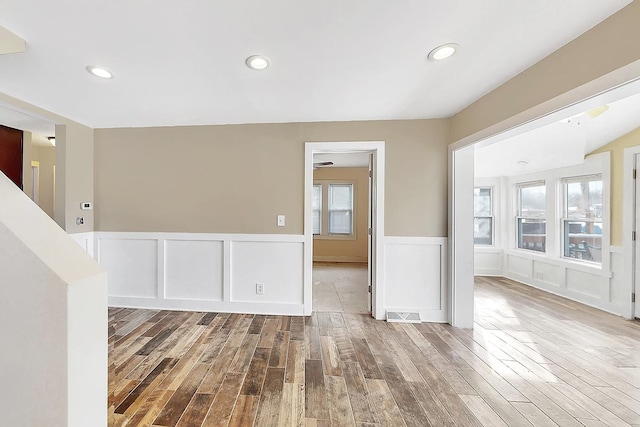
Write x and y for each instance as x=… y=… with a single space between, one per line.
x=403 y=316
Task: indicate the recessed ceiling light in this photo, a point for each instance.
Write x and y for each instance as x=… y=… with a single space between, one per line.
x=523 y=162
x=257 y=62
x=103 y=73
x=443 y=52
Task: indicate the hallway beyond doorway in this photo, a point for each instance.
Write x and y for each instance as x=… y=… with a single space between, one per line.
x=340 y=287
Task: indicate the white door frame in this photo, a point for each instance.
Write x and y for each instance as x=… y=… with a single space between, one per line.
x=602 y=90
x=629 y=226
x=377 y=148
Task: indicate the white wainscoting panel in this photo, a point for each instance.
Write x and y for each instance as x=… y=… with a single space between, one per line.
x=549 y=274
x=620 y=291
x=132 y=266
x=193 y=269
x=577 y=281
x=518 y=266
x=415 y=276
x=277 y=265
x=487 y=261
x=584 y=283
x=202 y=271
x=85 y=240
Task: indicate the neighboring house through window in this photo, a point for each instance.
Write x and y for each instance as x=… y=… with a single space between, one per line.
x=582 y=218
x=531 y=216
x=482 y=216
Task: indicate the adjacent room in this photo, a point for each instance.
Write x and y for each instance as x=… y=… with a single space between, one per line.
x=341 y=222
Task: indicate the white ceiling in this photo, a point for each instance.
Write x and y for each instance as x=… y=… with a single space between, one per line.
x=182 y=62
x=559 y=144
x=25 y=121
x=344 y=160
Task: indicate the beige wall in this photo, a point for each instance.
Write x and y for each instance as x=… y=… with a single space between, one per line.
x=608 y=46
x=74 y=176
x=616 y=148
x=47 y=157
x=347 y=250
x=238 y=178
x=27 y=155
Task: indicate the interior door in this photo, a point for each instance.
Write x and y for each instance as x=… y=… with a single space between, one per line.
x=636 y=281
x=11 y=154
x=371 y=231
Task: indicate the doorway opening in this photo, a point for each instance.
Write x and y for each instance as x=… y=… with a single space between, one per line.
x=344 y=226
x=549 y=225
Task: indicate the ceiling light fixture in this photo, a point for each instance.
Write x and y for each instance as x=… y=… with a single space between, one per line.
x=52 y=140
x=103 y=73
x=257 y=62
x=443 y=52
x=595 y=112
x=523 y=162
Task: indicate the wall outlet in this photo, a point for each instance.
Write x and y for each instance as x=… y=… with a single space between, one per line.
x=79 y=220
x=280 y=220
x=259 y=288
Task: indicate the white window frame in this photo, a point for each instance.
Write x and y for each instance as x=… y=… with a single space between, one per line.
x=321 y=207
x=491 y=215
x=565 y=217
x=518 y=187
x=324 y=213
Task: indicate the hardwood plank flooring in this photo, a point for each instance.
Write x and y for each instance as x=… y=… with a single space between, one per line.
x=532 y=359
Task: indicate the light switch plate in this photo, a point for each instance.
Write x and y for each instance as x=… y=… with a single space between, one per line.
x=280 y=220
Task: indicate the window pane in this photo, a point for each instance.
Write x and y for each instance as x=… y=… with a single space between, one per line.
x=317 y=208
x=340 y=197
x=584 y=198
x=533 y=201
x=316 y=222
x=583 y=240
x=532 y=234
x=482 y=231
x=481 y=201
x=340 y=209
x=340 y=222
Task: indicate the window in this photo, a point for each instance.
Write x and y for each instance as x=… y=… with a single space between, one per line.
x=531 y=222
x=582 y=218
x=482 y=216
x=317 y=208
x=333 y=209
x=341 y=209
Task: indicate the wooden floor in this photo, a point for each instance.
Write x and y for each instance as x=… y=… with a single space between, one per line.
x=533 y=359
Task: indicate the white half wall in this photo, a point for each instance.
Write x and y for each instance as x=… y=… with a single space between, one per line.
x=415 y=276
x=53 y=321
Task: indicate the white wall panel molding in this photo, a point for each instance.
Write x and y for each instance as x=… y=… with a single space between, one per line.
x=592 y=286
x=85 y=240
x=488 y=261
x=203 y=271
x=415 y=275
